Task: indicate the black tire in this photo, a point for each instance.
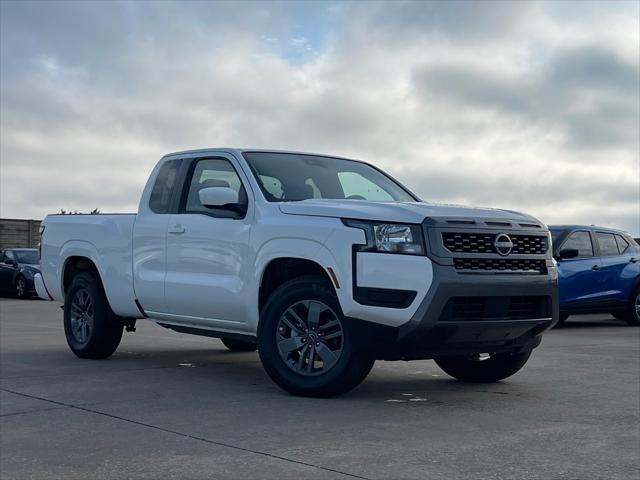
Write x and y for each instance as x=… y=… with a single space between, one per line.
x=234 y=345
x=22 y=291
x=102 y=338
x=493 y=369
x=632 y=313
x=563 y=317
x=347 y=370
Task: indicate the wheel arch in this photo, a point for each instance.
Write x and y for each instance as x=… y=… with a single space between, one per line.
x=73 y=265
x=283 y=269
x=302 y=257
x=115 y=278
x=77 y=263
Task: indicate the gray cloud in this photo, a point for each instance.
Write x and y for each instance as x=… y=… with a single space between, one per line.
x=524 y=106
x=460 y=22
x=586 y=91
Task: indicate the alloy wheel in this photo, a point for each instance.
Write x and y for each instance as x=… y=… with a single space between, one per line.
x=310 y=337
x=82 y=314
x=21 y=287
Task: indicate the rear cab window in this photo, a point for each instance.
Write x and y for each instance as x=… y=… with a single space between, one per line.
x=160 y=198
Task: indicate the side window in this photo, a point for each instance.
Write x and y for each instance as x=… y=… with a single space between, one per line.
x=214 y=172
x=607 y=244
x=7 y=255
x=357 y=187
x=622 y=243
x=581 y=241
x=160 y=198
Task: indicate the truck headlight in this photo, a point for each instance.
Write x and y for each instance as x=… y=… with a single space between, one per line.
x=390 y=237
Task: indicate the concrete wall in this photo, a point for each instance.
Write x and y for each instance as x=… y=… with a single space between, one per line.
x=19 y=233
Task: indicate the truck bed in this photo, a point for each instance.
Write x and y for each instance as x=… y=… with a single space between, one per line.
x=106 y=239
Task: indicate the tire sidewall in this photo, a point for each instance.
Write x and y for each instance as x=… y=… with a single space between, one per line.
x=325 y=384
x=105 y=331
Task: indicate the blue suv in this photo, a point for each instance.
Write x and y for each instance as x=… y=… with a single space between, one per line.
x=598 y=271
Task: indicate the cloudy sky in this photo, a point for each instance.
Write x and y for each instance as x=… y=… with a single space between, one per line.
x=522 y=105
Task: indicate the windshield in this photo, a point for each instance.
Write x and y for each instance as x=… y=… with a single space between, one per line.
x=27 y=256
x=286 y=177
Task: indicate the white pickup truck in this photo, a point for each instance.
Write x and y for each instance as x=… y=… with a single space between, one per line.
x=323 y=264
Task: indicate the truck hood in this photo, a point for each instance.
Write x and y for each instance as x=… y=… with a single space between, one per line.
x=404 y=212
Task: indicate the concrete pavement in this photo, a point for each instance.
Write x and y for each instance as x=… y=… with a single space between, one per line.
x=168 y=405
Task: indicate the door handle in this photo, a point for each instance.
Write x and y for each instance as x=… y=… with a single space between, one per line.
x=176 y=229
x=633 y=260
x=595 y=268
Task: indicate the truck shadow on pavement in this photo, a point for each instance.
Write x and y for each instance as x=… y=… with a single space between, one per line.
x=388 y=383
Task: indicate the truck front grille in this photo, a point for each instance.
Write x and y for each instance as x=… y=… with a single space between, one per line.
x=504 y=265
x=466 y=242
x=461 y=309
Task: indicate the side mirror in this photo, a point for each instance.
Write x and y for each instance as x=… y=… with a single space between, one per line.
x=216 y=197
x=567 y=253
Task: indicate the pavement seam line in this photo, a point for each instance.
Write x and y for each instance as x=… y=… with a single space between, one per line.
x=185 y=435
x=27 y=412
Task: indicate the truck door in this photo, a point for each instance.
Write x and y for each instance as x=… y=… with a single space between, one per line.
x=208 y=250
x=150 y=237
x=579 y=279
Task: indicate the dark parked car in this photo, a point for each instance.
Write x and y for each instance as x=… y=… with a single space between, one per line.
x=598 y=271
x=17 y=268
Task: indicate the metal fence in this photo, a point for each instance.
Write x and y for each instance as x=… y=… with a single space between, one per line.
x=18 y=233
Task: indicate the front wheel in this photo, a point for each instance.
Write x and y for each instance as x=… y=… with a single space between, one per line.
x=91 y=328
x=21 y=287
x=305 y=344
x=484 y=368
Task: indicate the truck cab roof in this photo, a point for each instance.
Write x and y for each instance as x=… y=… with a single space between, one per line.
x=241 y=150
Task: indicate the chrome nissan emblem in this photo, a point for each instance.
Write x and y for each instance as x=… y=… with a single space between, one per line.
x=503 y=244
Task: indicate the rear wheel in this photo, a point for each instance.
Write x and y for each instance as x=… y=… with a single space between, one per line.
x=305 y=344
x=239 y=345
x=91 y=328
x=21 y=287
x=484 y=368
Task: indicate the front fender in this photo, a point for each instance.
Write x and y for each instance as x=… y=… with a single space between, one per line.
x=303 y=249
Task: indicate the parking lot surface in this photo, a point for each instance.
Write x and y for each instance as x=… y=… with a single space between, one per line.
x=168 y=405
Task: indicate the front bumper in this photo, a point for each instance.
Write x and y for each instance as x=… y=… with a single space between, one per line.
x=434 y=330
